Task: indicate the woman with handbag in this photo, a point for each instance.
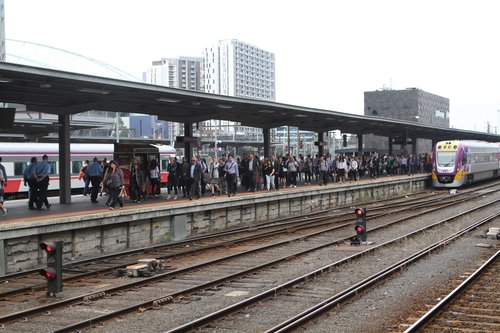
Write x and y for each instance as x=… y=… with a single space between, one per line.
x=114 y=180
x=136 y=183
x=214 y=175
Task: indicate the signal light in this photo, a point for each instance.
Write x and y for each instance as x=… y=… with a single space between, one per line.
x=47 y=247
x=48 y=273
x=53 y=272
x=360 y=226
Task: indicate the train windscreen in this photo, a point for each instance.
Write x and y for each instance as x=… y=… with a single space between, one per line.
x=446 y=158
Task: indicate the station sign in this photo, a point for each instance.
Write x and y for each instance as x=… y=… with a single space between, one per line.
x=401 y=141
x=188 y=139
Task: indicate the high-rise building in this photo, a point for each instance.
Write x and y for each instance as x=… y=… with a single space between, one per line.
x=2 y=31
x=409 y=104
x=234 y=68
x=183 y=73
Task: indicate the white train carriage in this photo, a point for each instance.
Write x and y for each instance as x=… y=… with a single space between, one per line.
x=456 y=163
x=16 y=157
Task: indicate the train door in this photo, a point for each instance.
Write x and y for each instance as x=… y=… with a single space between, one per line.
x=149 y=161
x=144 y=154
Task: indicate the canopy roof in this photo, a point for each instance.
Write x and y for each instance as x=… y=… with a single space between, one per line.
x=57 y=92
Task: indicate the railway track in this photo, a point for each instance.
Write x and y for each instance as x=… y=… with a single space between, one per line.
x=30 y=282
x=296 y=293
x=473 y=306
x=194 y=275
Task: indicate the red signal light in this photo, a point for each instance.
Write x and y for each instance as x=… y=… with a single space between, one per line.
x=360 y=212
x=358 y=228
x=48 y=247
x=48 y=273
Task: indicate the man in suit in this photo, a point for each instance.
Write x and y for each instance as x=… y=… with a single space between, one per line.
x=195 y=175
x=252 y=168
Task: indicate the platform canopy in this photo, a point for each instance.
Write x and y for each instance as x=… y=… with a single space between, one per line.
x=57 y=92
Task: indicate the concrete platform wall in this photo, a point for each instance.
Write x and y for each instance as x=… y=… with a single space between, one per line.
x=111 y=231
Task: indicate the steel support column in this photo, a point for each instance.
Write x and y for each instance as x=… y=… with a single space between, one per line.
x=321 y=138
x=64 y=160
x=390 y=145
x=188 y=146
x=360 y=144
x=267 y=141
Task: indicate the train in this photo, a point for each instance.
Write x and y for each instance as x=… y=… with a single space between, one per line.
x=16 y=157
x=457 y=163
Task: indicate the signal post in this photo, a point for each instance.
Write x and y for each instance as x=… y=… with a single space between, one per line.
x=359 y=227
x=53 y=271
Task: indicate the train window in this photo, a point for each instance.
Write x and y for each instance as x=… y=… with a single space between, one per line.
x=76 y=166
x=53 y=169
x=19 y=168
x=445 y=159
x=164 y=164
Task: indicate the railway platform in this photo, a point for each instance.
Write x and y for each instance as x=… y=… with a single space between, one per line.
x=89 y=229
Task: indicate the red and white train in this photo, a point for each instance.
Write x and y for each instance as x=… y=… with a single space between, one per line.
x=16 y=157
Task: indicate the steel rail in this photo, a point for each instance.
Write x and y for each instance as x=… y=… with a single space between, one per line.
x=328 y=304
x=159 y=277
x=432 y=313
x=302 y=224
x=263 y=225
x=348 y=292
x=79 y=299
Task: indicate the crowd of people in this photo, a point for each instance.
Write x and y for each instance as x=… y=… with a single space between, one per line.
x=194 y=178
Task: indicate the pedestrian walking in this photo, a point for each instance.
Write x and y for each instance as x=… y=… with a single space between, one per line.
x=136 y=182
x=115 y=182
x=195 y=176
x=30 y=181
x=41 y=173
x=94 y=174
x=213 y=171
x=173 y=177
x=232 y=175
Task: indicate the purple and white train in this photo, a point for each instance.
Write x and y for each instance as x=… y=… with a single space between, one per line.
x=456 y=163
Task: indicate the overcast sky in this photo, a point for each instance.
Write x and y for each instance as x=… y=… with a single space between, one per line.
x=327 y=52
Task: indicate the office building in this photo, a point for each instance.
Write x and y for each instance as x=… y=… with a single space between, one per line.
x=235 y=68
x=410 y=104
x=183 y=73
